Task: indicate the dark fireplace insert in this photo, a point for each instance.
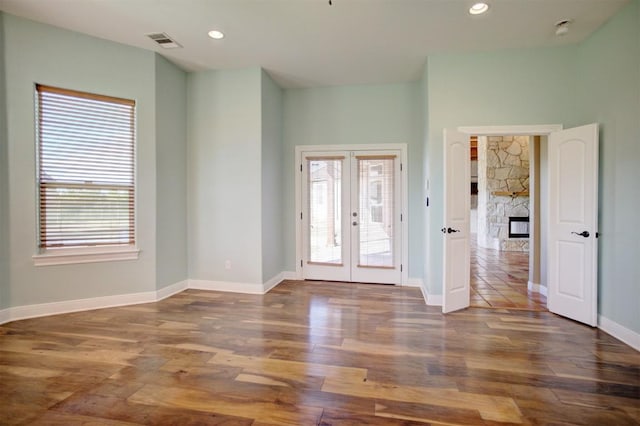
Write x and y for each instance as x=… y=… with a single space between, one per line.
x=518 y=227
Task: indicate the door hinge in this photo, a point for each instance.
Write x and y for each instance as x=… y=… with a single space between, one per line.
x=597 y=235
x=300 y=167
x=400 y=217
x=401 y=267
x=300 y=215
x=400 y=166
x=301 y=263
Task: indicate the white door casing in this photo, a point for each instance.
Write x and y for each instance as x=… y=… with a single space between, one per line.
x=573 y=223
x=456 y=244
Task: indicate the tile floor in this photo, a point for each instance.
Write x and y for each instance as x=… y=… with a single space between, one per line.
x=499 y=280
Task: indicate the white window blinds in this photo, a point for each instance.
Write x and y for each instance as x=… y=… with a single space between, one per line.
x=86 y=157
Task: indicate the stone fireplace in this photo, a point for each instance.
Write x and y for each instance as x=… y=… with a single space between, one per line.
x=503 y=190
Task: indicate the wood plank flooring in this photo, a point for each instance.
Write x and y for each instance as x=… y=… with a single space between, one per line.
x=312 y=353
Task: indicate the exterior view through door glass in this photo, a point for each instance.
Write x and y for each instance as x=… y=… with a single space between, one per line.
x=324 y=218
x=323 y=197
x=351 y=214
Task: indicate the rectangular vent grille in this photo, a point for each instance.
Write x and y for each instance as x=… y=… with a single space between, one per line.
x=164 y=40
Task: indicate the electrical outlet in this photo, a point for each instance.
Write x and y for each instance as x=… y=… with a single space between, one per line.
x=227 y=264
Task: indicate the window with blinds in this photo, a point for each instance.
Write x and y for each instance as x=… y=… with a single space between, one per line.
x=86 y=159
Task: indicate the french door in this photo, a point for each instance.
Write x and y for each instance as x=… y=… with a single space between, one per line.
x=351 y=216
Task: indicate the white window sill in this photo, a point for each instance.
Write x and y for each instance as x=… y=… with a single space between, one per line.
x=65 y=256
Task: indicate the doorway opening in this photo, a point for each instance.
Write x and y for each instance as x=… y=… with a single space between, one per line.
x=565 y=225
x=505 y=185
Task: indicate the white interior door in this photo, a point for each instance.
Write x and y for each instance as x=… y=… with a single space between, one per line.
x=457 y=197
x=573 y=220
x=351 y=216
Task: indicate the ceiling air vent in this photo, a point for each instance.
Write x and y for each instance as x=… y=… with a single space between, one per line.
x=164 y=40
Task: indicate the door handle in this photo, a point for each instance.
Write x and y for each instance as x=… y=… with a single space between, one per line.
x=582 y=234
x=449 y=230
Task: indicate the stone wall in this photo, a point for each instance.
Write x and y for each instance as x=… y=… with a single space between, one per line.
x=503 y=166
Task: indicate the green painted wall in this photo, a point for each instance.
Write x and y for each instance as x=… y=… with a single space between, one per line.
x=512 y=87
x=37 y=53
x=272 y=179
x=609 y=94
x=171 y=173
x=4 y=183
x=224 y=175
x=368 y=114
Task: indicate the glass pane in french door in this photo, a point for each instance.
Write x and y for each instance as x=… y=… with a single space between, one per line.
x=376 y=209
x=325 y=210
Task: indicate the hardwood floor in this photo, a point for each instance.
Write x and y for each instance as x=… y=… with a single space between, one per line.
x=499 y=280
x=313 y=353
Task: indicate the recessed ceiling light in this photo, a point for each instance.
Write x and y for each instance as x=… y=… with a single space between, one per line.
x=478 y=8
x=216 y=35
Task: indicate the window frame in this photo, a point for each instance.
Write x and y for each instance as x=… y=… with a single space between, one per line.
x=91 y=252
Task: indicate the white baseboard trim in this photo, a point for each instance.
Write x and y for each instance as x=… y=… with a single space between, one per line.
x=228 y=286
x=289 y=275
x=68 y=306
x=537 y=288
x=272 y=283
x=172 y=289
x=413 y=282
x=434 y=299
x=620 y=332
x=431 y=299
x=424 y=295
x=235 y=287
x=5 y=315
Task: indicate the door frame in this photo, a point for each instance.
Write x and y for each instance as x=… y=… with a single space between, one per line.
x=404 y=199
x=512 y=130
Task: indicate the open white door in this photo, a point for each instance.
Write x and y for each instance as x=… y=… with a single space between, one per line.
x=573 y=223
x=457 y=197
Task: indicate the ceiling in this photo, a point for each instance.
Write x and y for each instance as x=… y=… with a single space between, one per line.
x=304 y=43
